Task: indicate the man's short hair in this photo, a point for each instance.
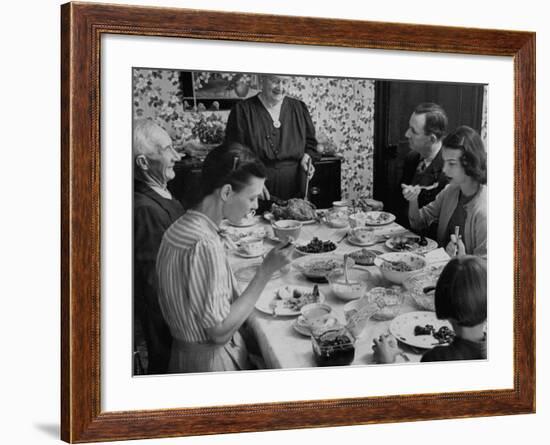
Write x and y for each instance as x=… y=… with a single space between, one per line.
x=436 y=119
x=145 y=137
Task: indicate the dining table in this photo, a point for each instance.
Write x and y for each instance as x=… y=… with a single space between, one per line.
x=281 y=345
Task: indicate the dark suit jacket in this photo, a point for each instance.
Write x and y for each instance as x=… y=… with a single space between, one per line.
x=153 y=214
x=431 y=174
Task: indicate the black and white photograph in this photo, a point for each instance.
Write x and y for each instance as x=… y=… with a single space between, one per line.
x=283 y=221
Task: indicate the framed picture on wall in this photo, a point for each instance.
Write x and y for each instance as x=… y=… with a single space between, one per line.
x=104 y=47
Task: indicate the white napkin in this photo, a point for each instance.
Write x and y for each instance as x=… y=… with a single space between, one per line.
x=437 y=256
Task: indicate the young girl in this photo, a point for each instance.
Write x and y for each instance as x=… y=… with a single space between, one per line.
x=463 y=202
x=198 y=293
x=461 y=298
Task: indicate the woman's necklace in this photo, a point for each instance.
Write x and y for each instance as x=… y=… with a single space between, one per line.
x=274 y=111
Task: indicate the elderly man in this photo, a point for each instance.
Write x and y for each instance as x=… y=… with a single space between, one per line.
x=154 y=211
x=423 y=166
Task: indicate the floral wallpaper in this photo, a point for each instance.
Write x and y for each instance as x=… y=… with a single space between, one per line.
x=343 y=113
x=341 y=109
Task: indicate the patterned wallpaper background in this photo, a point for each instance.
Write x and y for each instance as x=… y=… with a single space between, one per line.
x=342 y=111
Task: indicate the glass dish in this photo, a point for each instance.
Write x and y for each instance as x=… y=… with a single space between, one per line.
x=335 y=347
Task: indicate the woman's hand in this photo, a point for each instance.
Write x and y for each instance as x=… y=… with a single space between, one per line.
x=385 y=349
x=455 y=247
x=278 y=257
x=307 y=165
x=410 y=192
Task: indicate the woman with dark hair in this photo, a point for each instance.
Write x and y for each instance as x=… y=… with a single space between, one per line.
x=198 y=293
x=461 y=298
x=463 y=203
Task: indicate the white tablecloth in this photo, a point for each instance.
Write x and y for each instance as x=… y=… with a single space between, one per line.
x=281 y=345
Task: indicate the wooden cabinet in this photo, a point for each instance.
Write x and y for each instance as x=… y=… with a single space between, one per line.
x=324 y=187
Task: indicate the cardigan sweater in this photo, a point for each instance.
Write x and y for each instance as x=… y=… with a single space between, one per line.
x=442 y=208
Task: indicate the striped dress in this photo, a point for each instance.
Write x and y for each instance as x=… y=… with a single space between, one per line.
x=196 y=288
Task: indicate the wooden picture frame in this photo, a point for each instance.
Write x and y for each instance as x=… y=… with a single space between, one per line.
x=82 y=26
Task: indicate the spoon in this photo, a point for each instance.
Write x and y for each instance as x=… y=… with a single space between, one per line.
x=346 y=268
x=307 y=178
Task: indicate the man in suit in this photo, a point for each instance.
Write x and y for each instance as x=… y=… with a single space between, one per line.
x=423 y=166
x=154 y=211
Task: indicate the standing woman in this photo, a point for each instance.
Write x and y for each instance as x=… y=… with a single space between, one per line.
x=282 y=134
x=463 y=203
x=198 y=293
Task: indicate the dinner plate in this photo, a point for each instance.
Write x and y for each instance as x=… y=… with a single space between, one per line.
x=299 y=326
x=243 y=254
x=390 y=244
x=355 y=242
x=373 y=218
x=271 y=303
x=247 y=272
x=304 y=253
x=246 y=223
x=402 y=328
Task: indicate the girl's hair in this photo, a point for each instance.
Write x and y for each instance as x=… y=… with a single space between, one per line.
x=461 y=291
x=474 y=156
x=232 y=164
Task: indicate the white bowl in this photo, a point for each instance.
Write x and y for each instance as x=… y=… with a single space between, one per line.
x=354 y=289
x=286 y=228
x=363 y=236
x=412 y=264
x=252 y=245
x=358 y=219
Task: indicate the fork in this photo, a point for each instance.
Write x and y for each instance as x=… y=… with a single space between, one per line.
x=429 y=187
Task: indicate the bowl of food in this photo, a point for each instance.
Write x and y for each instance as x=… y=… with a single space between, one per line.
x=362 y=236
x=286 y=229
x=398 y=266
x=379 y=218
x=317 y=267
x=351 y=289
x=364 y=257
x=314 y=315
x=316 y=246
x=335 y=347
x=337 y=218
x=389 y=300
